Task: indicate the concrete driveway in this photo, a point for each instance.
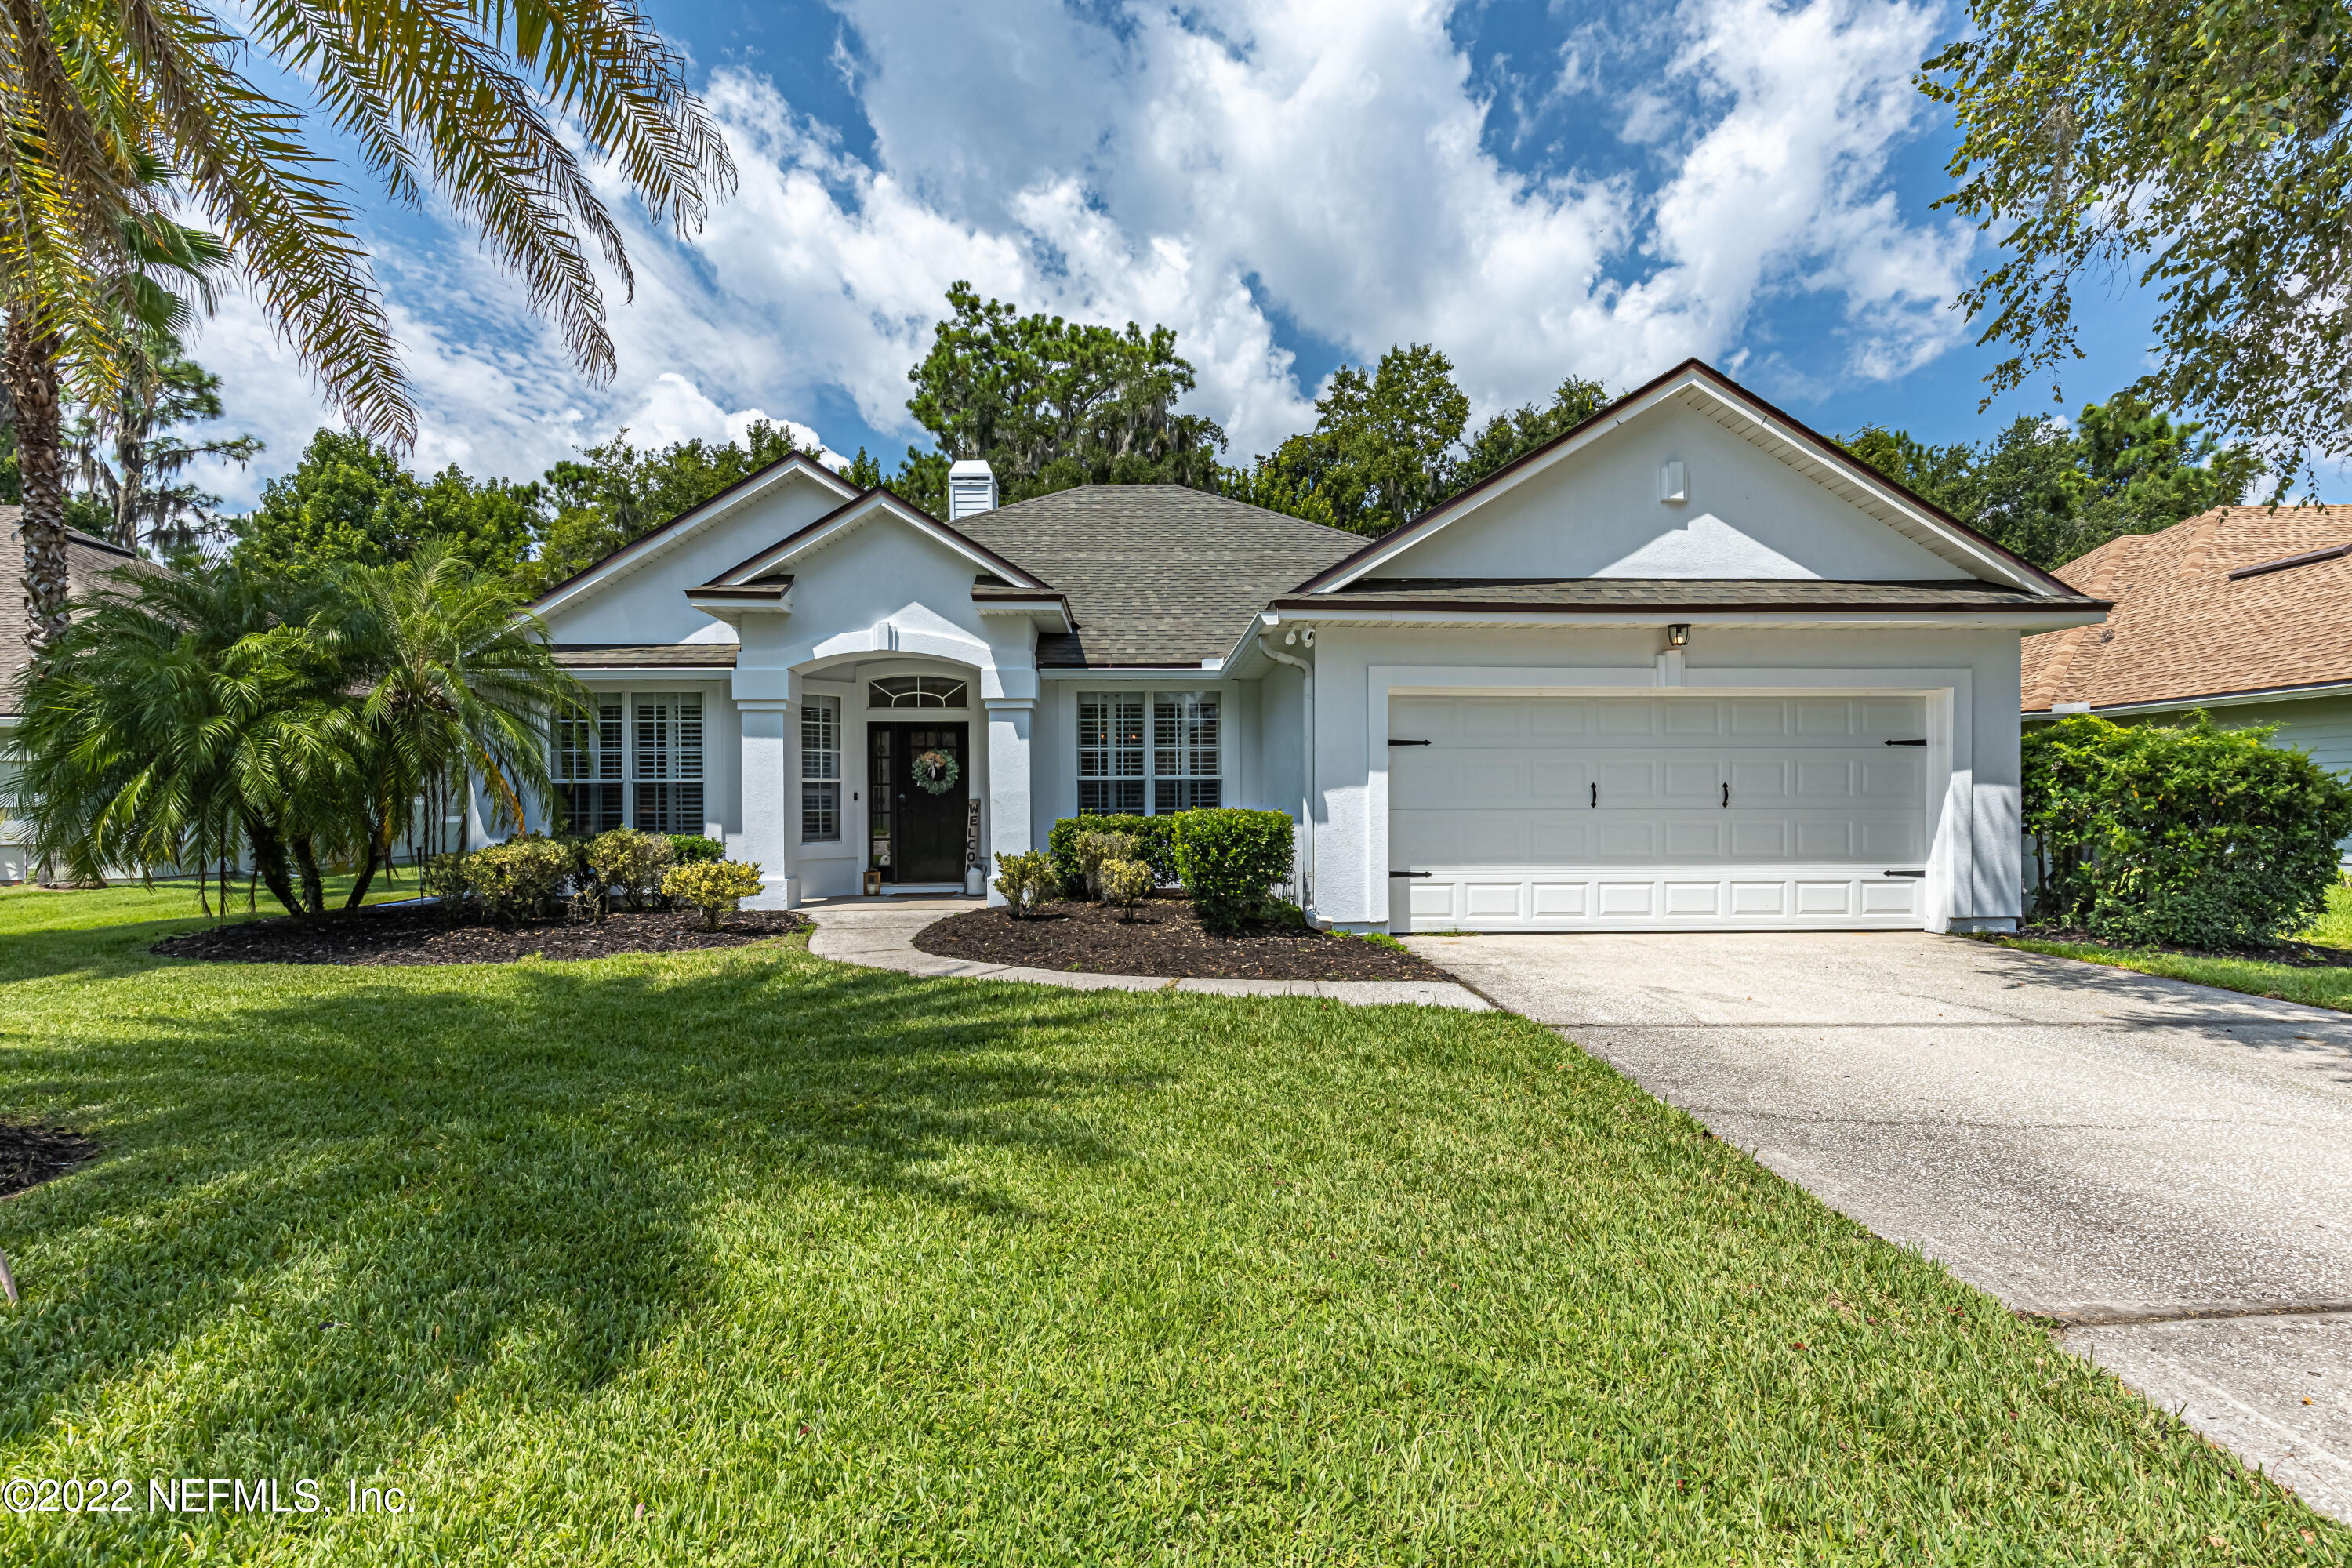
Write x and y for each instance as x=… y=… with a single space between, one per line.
x=2166 y=1167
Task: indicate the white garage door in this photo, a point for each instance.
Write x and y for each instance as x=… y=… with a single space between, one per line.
x=1617 y=813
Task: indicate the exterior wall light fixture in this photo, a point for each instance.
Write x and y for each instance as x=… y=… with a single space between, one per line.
x=1678 y=634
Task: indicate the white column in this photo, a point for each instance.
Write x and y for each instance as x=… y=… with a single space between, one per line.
x=769 y=826
x=1010 y=829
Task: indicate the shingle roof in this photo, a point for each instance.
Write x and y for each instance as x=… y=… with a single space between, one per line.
x=2183 y=629
x=1156 y=575
x=634 y=656
x=1664 y=594
x=86 y=557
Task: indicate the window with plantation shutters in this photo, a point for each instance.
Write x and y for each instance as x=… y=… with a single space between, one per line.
x=1110 y=753
x=588 y=766
x=820 y=770
x=1185 y=752
x=1152 y=753
x=666 y=780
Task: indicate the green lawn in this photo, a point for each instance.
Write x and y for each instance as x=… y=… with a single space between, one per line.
x=747 y=1257
x=2286 y=982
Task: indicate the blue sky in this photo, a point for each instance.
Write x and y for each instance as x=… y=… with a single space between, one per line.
x=1540 y=190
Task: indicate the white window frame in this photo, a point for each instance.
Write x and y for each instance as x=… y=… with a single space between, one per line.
x=1172 y=758
x=684 y=764
x=820 y=721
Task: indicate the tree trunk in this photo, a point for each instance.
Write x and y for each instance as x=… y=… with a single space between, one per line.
x=314 y=886
x=28 y=359
x=270 y=864
x=379 y=853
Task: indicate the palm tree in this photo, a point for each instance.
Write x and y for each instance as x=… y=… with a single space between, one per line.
x=458 y=681
x=472 y=99
x=181 y=716
x=187 y=718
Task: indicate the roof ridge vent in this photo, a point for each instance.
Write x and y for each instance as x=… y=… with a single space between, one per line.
x=972 y=489
x=2308 y=558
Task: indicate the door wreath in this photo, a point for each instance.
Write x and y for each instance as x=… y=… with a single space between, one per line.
x=936 y=772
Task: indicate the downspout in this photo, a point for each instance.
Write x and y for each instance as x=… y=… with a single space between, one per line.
x=1306 y=772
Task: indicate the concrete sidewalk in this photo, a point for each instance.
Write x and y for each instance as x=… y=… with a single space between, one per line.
x=2165 y=1166
x=880 y=933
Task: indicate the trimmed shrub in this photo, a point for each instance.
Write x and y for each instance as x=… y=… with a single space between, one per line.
x=632 y=862
x=692 y=848
x=717 y=888
x=1230 y=861
x=1094 y=848
x=1154 y=837
x=2186 y=836
x=1027 y=880
x=1125 y=884
x=449 y=879
x=519 y=879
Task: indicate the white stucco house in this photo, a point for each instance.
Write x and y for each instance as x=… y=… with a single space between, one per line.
x=1687 y=666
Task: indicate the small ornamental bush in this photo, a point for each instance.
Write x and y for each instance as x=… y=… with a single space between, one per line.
x=1125 y=884
x=1094 y=848
x=717 y=888
x=1230 y=861
x=688 y=849
x=1027 y=880
x=2183 y=836
x=519 y=879
x=1154 y=837
x=632 y=863
x=449 y=879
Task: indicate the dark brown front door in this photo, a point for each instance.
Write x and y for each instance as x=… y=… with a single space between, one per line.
x=917 y=836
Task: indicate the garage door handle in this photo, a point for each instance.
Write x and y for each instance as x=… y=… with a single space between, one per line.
x=1596 y=794
x=1906 y=743
x=1727 y=798
x=1408 y=743
x=1906 y=873
x=1408 y=873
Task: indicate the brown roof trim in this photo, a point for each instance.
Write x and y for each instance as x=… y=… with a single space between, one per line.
x=739 y=591
x=1693 y=365
x=687 y=515
x=991 y=556
x=2245 y=693
x=1334 y=604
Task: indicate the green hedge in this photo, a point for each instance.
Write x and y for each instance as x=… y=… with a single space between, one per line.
x=1154 y=834
x=2187 y=836
x=1230 y=859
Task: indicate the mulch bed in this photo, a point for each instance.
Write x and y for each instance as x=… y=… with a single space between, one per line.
x=31 y=1155
x=375 y=936
x=1164 y=937
x=2294 y=954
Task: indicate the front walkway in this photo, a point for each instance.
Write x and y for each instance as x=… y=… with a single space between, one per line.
x=880 y=934
x=2166 y=1167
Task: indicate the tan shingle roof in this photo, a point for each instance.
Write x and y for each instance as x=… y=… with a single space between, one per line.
x=2183 y=627
x=86 y=558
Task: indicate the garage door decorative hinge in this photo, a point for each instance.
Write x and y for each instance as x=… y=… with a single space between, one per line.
x=1396 y=742
x=1906 y=743
x=1408 y=873
x=1906 y=873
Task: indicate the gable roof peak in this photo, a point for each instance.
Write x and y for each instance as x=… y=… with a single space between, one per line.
x=1768 y=428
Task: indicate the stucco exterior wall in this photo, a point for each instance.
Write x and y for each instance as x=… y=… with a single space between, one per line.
x=647 y=603
x=1597 y=513
x=1973 y=821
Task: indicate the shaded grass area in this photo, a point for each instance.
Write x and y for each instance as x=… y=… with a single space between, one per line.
x=747 y=1257
x=2317 y=986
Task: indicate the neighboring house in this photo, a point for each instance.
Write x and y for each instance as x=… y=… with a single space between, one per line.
x=1687 y=666
x=2242 y=612
x=87 y=558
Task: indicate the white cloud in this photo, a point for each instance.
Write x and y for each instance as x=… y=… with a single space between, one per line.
x=1325 y=159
